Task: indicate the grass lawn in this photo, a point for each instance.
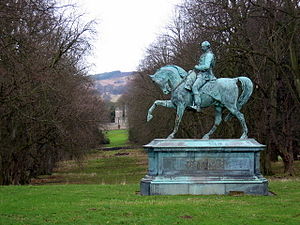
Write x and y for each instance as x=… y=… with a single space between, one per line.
x=104 y=189
x=120 y=204
x=118 y=138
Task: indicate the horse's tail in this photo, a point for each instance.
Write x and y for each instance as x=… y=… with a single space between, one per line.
x=247 y=89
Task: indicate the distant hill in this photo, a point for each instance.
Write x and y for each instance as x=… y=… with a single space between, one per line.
x=111 y=85
x=111 y=75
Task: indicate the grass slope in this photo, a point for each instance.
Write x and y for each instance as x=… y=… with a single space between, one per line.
x=81 y=200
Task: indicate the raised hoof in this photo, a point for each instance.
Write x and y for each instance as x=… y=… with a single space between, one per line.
x=149 y=117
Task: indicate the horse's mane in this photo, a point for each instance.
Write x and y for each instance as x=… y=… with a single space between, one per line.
x=176 y=69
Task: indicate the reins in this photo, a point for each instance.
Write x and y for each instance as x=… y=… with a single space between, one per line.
x=183 y=79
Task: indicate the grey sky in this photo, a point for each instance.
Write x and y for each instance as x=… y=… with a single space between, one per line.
x=125 y=29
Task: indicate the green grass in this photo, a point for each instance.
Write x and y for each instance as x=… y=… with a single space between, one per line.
x=120 y=204
x=101 y=167
x=118 y=138
x=104 y=189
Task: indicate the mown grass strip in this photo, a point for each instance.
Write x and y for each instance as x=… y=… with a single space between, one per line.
x=101 y=167
x=117 y=138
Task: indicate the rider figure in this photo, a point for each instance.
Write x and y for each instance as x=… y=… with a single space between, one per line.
x=201 y=72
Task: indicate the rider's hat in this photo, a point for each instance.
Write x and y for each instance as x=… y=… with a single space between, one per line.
x=205 y=43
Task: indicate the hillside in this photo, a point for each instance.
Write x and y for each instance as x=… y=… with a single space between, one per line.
x=111 y=75
x=111 y=85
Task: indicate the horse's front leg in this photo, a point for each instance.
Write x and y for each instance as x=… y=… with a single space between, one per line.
x=165 y=103
x=179 y=114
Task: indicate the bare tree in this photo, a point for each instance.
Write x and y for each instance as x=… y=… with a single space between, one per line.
x=47 y=109
x=253 y=38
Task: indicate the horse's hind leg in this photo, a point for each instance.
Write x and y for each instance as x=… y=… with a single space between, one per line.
x=234 y=111
x=218 y=120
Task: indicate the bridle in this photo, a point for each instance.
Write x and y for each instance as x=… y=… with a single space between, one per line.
x=183 y=79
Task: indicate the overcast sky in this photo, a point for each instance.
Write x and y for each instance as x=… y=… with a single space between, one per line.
x=125 y=29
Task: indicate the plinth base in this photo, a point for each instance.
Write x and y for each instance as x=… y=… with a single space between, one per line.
x=188 y=185
x=203 y=167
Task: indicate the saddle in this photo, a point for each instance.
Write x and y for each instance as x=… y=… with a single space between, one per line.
x=210 y=88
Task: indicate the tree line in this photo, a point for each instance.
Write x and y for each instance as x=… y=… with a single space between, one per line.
x=254 y=38
x=48 y=111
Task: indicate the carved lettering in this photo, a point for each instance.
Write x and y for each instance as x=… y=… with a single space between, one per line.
x=205 y=164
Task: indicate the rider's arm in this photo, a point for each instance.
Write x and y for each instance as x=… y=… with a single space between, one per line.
x=207 y=62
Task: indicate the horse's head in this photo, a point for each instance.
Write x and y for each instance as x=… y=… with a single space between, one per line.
x=168 y=77
x=162 y=79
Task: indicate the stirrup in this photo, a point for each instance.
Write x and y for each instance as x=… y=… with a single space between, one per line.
x=195 y=107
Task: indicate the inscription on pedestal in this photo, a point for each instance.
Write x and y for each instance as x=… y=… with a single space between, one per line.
x=205 y=164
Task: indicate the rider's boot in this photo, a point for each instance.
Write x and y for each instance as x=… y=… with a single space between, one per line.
x=190 y=80
x=197 y=100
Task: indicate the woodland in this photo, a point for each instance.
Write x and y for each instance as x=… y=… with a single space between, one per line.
x=48 y=110
x=254 y=38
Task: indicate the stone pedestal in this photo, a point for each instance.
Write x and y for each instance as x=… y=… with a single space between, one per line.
x=203 y=167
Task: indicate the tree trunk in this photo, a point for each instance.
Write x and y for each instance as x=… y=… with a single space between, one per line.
x=288 y=160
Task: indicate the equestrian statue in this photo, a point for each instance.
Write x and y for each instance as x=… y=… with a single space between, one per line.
x=199 y=88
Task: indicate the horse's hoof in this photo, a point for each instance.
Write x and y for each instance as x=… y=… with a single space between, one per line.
x=149 y=117
x=205 y=137
x=171 y=136
x=244 y=136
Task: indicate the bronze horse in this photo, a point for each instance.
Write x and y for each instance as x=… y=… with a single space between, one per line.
x=221 y=93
